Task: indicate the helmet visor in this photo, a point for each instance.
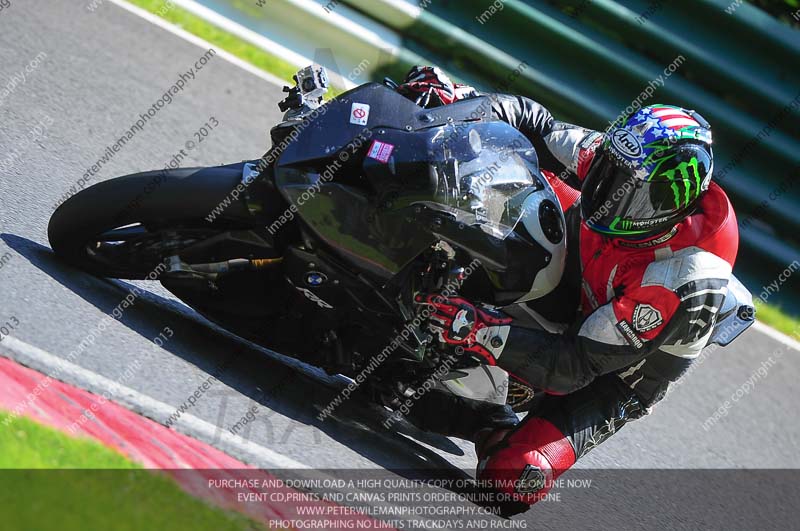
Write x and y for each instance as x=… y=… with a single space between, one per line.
x=614 y=200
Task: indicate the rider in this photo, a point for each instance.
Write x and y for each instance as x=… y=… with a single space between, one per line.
x=652 y=241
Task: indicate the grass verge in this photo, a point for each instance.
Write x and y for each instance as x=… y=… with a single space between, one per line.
x=775 y=317
x=52 y=481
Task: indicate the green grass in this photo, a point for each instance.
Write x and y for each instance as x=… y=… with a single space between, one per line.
x=52 y=481
x=775 y=317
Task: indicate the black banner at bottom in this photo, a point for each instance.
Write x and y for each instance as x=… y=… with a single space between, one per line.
x=420 y=499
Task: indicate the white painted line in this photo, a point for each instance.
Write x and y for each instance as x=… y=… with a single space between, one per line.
x=350 y=22
x=244 y=33
x=194 y=39
x=146 y=406
x=777 y=336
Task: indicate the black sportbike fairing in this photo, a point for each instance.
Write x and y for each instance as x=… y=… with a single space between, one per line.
x=452 y=176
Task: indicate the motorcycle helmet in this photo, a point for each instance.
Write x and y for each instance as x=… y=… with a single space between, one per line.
x=649 y=173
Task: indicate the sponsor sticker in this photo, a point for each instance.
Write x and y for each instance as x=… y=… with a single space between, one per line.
x=359 y=114
x=590 y=140
x=652 y=243
x=315 y=278
x=635 y=341
x=380 y=151
x=310 y=295
x=531 y=480
x=626 y=143
x=646 y=318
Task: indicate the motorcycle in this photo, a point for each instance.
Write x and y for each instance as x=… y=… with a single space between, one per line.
x=318 y=249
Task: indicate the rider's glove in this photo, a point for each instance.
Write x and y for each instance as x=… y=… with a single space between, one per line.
x=478 y=330
x=428 y=87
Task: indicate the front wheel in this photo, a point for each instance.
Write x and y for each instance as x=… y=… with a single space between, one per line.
x=125 y=227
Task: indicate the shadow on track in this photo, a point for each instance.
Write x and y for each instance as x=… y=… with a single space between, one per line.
x=280 y=384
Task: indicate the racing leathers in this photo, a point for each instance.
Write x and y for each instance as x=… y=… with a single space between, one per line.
x=646 y=309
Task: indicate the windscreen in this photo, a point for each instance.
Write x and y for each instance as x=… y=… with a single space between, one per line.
x=477 y=174
x=483 y=173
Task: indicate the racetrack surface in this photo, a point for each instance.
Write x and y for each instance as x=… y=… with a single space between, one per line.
x=101 y=71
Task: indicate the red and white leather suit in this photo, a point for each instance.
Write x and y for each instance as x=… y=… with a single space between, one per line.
x=647 y=310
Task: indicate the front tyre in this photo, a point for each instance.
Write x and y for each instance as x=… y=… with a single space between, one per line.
x=125 y=227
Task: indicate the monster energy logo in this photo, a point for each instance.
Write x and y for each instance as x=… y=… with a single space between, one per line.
x=620 y=226
x=681 y=176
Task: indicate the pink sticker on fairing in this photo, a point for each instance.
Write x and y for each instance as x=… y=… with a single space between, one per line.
x=380 y=151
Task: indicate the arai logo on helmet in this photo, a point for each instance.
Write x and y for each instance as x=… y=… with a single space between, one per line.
x=626 y=143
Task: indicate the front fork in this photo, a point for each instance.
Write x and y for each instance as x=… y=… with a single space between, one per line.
x=436 y=274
